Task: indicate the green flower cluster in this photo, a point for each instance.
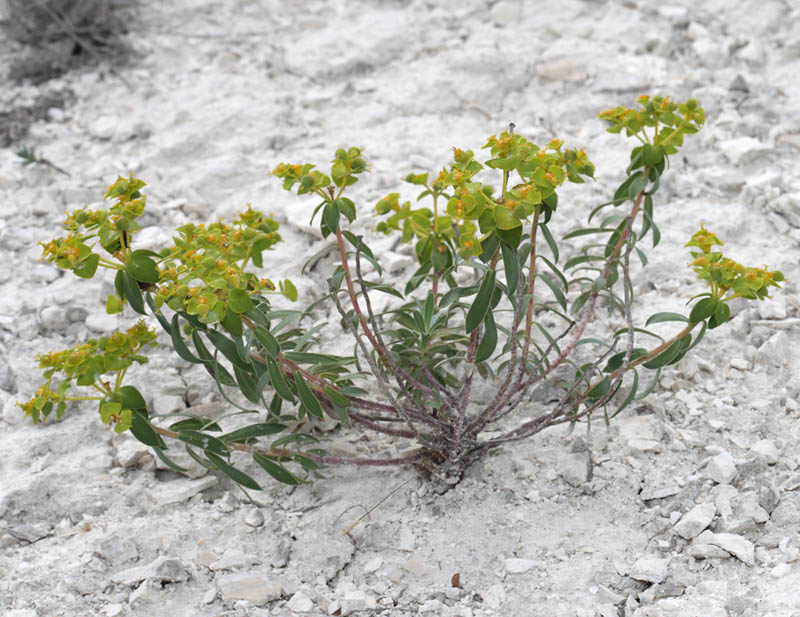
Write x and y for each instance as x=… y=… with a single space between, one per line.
x=88 y=364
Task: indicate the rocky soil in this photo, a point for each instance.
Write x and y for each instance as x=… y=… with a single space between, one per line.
x=689 y=504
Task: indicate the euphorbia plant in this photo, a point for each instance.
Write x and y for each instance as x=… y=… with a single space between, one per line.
x=472 y=310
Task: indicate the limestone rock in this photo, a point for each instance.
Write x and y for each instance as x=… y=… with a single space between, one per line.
x=721 y=468
x=178 y=491
x=300 y=603
x=649 y=569
x=695 y=520
x=518 y=566
x=254 y=587
x=736 y=545
x=165 y=569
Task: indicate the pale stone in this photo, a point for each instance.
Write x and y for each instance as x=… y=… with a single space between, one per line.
x=300 y=603
x=518 y=566
x=166 y=569
x=114 y=610
x=357 y=600
x=736 y=545
x=54 y=318
x=103 y=127
x=415 y=567
x=789 y=139
x=431 y=606
x=721 y=468
x=232 y=559
x=373 y=565
x=567 y=69
x=130 y=453
x=101 y=322
x=742 y=150
x=776 y=350
x=494 y=596
x=575 y=468
x=700 y=550
x=178 y=491
x=646 y=427
x=251 y=586
x=167 y=403
x=767 y=450
x=649 y=569
x=696 y=520
x=740 y=364
x=254 y=518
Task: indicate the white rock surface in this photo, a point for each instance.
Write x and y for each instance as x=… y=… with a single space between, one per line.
x=721 y=468
x=254 y=587
x=696 y=520
x=736 y=545
x=165 y=569
x=766 y=449
x=515 y=565
x=649 y=569
x=300 y=603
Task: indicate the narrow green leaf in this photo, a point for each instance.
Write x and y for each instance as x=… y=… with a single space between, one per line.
x=159 y=315
x=195 y=424
x=648 y=217
x=278 y=381
x=307 y=397
x=227 y=347
x=247 y=384
x=666 y=356
x=599 y=390
x=268 y=341
x=206 y=442
x=132 y=292
x=631 y=394
x=365 y=250
x=141 y=429
x=511 y=268
x=169 y=462
x=557 y=272
x=177 y=342
x=234 y=474
x=489 y=340
x=482 y=302
x=254 y=430
x=306 y=463
x=336 y=397
x=587 y=231
x=200 y=460
x=293 y=438
x=562 y=301
x=215 y=369
x=699 y=337
x=330 y=215
x=550 y=241
x=662 y=317
x=276 y=470
x=638 y=184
